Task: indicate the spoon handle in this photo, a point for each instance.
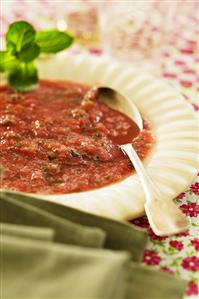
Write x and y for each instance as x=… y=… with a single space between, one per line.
x=147 y=184
x=164 y=216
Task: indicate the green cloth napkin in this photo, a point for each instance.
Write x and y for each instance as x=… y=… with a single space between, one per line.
x=50 y=271
x=58 y=271
x=37 y=269
x=119 y=235
x=17 y=212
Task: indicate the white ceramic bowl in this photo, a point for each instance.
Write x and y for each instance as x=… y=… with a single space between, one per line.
x=173 y=161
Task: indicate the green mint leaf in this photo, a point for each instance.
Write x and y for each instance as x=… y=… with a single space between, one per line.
x=29 y=52
x=23 y=46
x=19 y=34
x=52 y=41
x=7 y=61
x=24 y=77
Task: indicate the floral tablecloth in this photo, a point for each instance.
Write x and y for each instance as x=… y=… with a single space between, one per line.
x=177 y=255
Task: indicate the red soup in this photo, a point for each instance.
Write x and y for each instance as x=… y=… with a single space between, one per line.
x=54 y=142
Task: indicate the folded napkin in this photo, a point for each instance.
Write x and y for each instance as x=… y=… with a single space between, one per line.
x=119 y=235
x=17 y=212
x=38 y=269
x=61 y=266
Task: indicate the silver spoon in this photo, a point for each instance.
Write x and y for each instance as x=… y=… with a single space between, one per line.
x=164 y=216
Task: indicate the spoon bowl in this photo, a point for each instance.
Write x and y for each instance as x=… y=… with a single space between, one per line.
x=119 y=102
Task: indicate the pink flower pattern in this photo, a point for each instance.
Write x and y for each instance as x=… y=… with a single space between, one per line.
x=192 y=289
x=181 y=195
x=191 y=263
x=191 y=210
x=141 y=222
x=183 y=234
x=176 y=244
x=151 y=258
x=153 y=236
x=195 y=243
x=195 y=188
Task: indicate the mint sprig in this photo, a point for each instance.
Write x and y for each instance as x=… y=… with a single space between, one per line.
x=23 y=46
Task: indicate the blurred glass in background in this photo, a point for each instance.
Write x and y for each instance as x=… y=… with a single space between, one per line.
x=132 y=31
x=81 y=18
x=129 y=30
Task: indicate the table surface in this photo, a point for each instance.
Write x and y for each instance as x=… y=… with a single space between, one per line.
x=178 y=64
